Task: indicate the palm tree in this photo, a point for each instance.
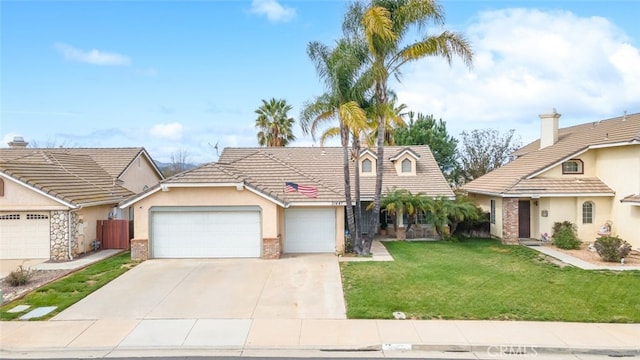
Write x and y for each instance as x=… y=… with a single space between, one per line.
x=340 y=68
x=274 y=123
x=384 y=24
x=403 y=201
x=445 y=212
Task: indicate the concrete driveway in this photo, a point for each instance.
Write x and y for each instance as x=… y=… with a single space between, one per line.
x=294 y=287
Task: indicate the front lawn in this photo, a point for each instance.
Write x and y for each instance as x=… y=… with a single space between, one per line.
x=483 y=279
x=72 y=288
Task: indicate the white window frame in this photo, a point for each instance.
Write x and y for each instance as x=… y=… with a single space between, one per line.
x=579 y=167
x=588 y=214
x=405 y=170
x=366 y=169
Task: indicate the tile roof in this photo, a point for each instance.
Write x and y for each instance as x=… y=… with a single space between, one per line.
x=113 y=160
x=70 y=176
x=547 y=186
x=267 y=169
x=635 y=199
x=571 y=141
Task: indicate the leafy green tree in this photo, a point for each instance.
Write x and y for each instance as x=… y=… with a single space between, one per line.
x=426 y=130
x=484 y=150
x=341 y=70
x=274 y=124
x=446 y=212
x=385 y=24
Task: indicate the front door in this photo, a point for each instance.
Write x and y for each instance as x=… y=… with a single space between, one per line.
x=524 y=219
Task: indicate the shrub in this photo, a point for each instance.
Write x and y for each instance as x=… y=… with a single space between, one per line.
x=565 y=235
x=612 y=248
x=20 y=276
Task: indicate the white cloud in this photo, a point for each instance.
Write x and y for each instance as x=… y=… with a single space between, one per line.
x=273 y=10
x=95 y=57
x=526 y=62
x=171 y=131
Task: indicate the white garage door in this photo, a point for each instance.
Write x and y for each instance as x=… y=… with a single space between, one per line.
x=24 y=235
x=309 y=230
x=197 y=233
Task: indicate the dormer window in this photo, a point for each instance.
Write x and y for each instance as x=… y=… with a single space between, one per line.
x=573 y=166
x=406 y=166
x=366 y=166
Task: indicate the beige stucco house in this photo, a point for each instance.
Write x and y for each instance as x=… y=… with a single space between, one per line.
x=241 y=206
x=588 y=174
x=46 y=192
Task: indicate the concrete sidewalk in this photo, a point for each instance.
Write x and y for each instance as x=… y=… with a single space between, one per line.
x=568 y=259
x=183 y=336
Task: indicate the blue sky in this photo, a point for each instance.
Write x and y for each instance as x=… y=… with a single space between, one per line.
x=170 y=75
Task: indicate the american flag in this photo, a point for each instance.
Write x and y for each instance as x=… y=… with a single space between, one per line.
x=306 y=190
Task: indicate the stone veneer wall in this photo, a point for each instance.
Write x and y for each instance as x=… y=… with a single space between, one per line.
x=59 y=230
x=271 y=248
x=510 y=221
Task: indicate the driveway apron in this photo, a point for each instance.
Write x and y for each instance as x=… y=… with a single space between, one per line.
x=294 y=287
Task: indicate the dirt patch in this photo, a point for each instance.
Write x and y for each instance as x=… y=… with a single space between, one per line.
x=592 y=257
x=39 y=278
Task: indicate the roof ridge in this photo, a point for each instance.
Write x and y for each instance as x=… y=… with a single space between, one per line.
x=311 y=177
x=57 y=161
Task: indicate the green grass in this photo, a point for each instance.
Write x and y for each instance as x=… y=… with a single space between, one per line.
x=483 y=279
x=72 y=288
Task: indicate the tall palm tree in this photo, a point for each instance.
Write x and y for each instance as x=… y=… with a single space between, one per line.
x=384 y=24
x=340 y=69
x=274 y=124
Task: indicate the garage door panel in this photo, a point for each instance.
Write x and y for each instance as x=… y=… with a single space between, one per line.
x=310 y=230
x=24 y=235
x=201 y=234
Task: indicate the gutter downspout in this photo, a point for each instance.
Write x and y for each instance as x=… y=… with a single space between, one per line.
x=69 y=232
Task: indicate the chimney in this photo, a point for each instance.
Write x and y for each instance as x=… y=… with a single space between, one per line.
x=549 y=128
x=18 y=142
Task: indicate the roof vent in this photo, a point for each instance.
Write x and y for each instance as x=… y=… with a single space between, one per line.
x=18 y=142
x=624 y=116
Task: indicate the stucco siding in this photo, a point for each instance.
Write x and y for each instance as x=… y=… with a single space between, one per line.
x=18 y=197
x=206 y=197
x=619 y=167
x=139 y=174
x=87 y=227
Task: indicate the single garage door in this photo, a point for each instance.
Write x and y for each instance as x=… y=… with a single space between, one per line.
x=202 y=233
x=310 y=230
x=24 y=235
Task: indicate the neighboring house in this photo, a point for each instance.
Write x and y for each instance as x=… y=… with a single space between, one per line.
x=587 y=174
x=46 y=192
x=241 y=206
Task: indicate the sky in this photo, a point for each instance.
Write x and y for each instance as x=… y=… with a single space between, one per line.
x=186 y=75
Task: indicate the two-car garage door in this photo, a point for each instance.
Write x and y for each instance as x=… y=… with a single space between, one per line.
x=198 y=232
x=203 y=232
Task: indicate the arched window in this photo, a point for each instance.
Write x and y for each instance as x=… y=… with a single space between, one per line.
x=366 y=166
x=406 y=166
x=1 y=187
x=587 y=212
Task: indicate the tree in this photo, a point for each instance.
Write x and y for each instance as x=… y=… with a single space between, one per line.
x=425 y=130
x=401 y=200
x=179 y=163
x=340 y=69
x=384 y=24
x=445 y=212
x=274 y=124
x=484 y=150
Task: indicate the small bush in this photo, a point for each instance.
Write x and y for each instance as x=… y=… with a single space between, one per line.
x=612 y=248
x=565 y=235
x=20 y=276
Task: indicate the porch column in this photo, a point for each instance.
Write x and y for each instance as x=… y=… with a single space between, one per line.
x=401 y=234
x=510 y=221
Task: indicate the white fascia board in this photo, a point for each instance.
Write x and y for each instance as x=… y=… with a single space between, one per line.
x=538 y=196
x=262 y=195
x=138 y=198
x=486 y=193
x=626 y=143
x=65 y=203
x=168 y=185
x=572 y=156
x=318 y=204
x=411 y=152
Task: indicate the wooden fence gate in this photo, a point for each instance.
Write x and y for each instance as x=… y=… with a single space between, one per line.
x=113 y=234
